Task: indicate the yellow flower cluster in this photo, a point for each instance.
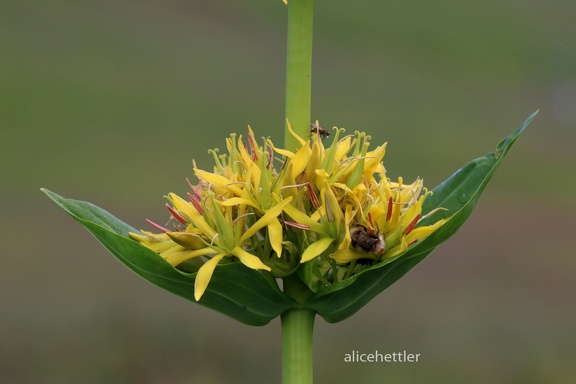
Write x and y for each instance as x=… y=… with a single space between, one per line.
x=332 y=208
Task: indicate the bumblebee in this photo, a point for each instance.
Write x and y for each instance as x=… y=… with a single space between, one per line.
x=367 y=241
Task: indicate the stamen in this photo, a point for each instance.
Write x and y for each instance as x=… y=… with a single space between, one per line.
x=197 y=190
x=389 y=211
x=242 y=216
x=158 y=227
x=175 y=214
x=412 y=224
x=196 y=202
x=294 y=185
x=356 y=158
x=433 y=212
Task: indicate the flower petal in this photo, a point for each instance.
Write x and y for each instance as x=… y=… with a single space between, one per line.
x=179 y=257
x=300 y=140
x=302 y=218
x=218 y=180
x=204 y=275
x=224 y=225
x=316 y=249
x=417 y=234
x=249 y=260
x=233 y=201
x=266 y=219
x=187 y=240
x=300 y=160
x=344 y=256
x=275 y=234
x=189 y=209
x=281 y=151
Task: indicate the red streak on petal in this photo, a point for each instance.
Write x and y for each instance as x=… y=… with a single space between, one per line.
x=412 y=242
x=252 y=145
x=284 y=164
x=189 y=184
x=158 y=227
x=389 y=211
x=197 y=190
x=369 y=218
x=329 y=214
x=175 y=214
x=297 y=225
x=313 y=197
x=194 y=200
x=412 y=224
x=270 y=155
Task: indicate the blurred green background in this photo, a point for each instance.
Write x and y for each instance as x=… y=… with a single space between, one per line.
x=110 y=101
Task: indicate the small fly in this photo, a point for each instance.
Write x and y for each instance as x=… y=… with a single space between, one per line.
x=316 y=128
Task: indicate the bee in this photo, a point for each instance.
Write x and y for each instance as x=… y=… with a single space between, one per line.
x=367 y=241
x=316 y=128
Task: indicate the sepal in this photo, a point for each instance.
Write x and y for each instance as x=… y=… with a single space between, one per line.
x=244 y=294
x=458 y=195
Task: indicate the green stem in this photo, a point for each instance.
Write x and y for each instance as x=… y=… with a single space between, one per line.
x=298 y=324
x=297 y=332
x=298 y=70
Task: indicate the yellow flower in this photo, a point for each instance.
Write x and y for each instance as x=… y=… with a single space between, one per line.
x=214 y=234
x=363 y=217
x=331 y=206
x=227 y=214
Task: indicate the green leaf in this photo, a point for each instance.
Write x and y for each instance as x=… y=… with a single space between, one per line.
x=459 y=194
x=242 y=293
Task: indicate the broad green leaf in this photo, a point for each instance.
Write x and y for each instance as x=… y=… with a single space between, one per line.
x=242 y=293
x=459 y=194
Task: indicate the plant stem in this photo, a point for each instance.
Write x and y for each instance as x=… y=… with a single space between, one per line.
x=298 y=70
x=297 y=332
x=298 y=324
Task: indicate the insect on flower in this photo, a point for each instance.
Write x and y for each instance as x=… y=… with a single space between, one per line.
x=366 y=241
x=316 y=128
